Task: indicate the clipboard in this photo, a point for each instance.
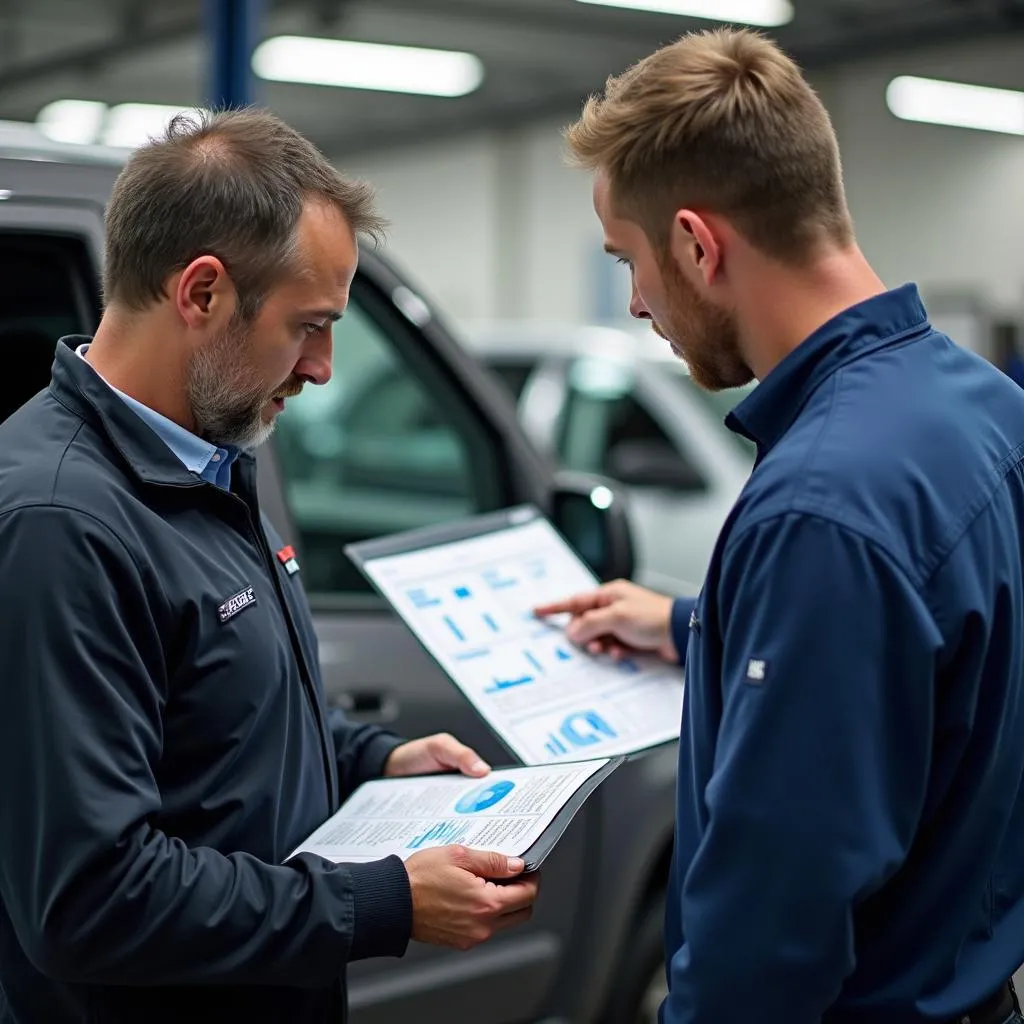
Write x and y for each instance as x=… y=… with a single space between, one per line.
x=596 y=726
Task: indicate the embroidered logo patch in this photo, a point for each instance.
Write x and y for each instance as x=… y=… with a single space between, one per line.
x=756 y=670
x=233 y=605
x=286 y=556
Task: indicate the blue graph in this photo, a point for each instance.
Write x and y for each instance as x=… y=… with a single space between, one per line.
x=562 y=654
x=508 y=684
x=555 y=746
x=479 y=652
x=489 y=619
x=533 y=660
x=485 y=796
x=444 y=833
x=586 y=728
x=496 y=581
x=450 y=623
x=462 y=593
x=421 y=599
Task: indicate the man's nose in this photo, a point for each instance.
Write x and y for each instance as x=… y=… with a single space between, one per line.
x=315 y=364
x=636 y=306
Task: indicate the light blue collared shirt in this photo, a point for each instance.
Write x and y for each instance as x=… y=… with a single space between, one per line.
x=206 y=460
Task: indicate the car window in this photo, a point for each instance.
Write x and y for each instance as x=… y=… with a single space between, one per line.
x=604 y=417
x=381 y=448
x=47 y=290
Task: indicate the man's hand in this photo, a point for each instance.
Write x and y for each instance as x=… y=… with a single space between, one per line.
x=617 y=619
x=455 y=901
x=440 y=753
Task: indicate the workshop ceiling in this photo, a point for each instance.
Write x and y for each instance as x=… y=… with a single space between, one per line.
x=540 y=57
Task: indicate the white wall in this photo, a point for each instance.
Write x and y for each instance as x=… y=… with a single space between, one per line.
x=498 y=226
x=441 y=203
x=943 y=206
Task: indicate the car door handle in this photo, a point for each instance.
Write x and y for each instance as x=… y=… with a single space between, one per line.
x=366 y=705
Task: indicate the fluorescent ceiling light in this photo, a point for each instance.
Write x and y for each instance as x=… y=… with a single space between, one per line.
x=88 y=122
x=956 y=104
x=743 y=12
x=350 y=65
x=77 y=121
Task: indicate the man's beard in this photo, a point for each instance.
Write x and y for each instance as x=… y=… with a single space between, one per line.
x=702 y=335
x=226 y=394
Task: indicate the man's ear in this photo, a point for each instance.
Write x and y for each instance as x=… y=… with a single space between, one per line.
x=203 y=292
x=695 y=245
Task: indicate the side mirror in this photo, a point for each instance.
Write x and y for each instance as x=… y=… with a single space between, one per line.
x=653 y=464
x=592 y=514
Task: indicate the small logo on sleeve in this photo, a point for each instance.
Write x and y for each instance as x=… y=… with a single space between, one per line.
x=233 y=605
x=286 y=556
x=755 y=671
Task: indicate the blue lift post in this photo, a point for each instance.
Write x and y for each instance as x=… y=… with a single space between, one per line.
x=233 y=32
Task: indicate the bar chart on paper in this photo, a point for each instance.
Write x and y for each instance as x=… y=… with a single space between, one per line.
x=444 y=833
x=471 y=604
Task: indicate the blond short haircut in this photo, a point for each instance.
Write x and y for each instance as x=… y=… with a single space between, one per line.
x=724 y=122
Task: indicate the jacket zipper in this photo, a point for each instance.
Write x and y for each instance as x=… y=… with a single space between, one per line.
x=307 y=683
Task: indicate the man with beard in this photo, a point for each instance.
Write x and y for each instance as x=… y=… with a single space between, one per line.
x=850 y=832
x=164 y=740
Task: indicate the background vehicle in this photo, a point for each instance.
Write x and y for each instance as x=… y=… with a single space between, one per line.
x=620 y=403
x=410 y=431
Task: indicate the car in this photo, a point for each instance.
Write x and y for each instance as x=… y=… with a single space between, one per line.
x=617 y=402
x=411 y=431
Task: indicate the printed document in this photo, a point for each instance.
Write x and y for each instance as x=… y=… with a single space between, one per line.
x=471 y=604
x=507 y=812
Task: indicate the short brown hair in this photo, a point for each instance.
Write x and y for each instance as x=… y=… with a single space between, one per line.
x=720 y=120
x=231 y=184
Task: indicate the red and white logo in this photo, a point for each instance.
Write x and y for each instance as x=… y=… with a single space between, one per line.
x=286 y=556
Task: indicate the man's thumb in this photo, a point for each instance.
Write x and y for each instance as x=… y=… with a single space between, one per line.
x=488 y=864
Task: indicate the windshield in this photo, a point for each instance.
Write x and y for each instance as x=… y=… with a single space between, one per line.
x=718 y=403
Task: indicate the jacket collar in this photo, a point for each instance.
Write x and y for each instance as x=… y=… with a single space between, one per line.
x=76 y=385
x=770 y=409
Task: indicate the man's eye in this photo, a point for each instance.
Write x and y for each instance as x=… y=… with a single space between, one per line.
x=622 y=261
x=312 y=328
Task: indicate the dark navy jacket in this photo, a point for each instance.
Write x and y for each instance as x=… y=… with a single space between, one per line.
x=164 y=742
x=850 y=837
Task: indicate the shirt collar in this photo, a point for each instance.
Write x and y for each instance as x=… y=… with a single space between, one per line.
x=770 y=409
x=197 y=455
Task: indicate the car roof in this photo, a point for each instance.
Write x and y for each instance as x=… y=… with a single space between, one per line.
x=505 y=339
x=23 y=140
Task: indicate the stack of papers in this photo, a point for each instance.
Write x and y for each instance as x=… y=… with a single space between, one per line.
x=467 y=591
x=519 y=812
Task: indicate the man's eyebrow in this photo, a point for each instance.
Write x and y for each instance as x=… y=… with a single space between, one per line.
x=333 y=315
x=611 y=250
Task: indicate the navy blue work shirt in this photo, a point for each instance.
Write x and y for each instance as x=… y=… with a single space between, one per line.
x=850 y=834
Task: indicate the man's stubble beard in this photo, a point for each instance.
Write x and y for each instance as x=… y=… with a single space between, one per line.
x=226 y=395
x=705 y=337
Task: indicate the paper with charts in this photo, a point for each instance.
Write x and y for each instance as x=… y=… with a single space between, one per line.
x=471 y=604
x=506 y=812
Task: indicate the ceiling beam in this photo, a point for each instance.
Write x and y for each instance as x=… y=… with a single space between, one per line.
x=567 y=103
x=558 y=17
x=138 y=33
x=82 y=58
x=876 y=41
